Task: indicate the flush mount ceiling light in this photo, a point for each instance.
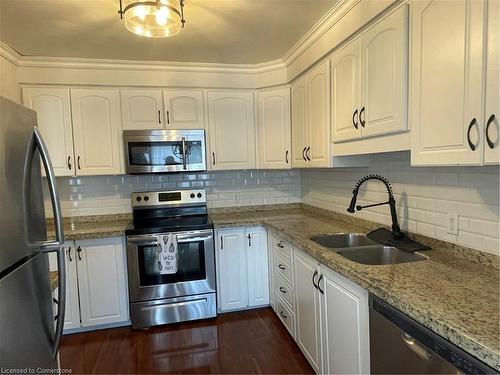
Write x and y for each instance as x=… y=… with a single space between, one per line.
x=154 y=19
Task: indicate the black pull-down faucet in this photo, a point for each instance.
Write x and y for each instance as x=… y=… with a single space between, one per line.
x=391 y=202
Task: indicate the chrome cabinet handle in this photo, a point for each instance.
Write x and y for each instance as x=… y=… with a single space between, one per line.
x=353 y=116
x=362 y=120
x=69 y=163
x=283 y=315
x=308 y=153
x=286 y=156
x=78 y=162
x=471 y=145
x=488 y=139
x=314 y=277
x=281 y=267
x=319 y=286
x=282 y=290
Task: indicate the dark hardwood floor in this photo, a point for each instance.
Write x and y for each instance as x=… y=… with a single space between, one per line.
x=247 y=342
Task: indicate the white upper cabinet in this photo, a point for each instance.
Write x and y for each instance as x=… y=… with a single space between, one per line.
x=346 y=92
x=97 y=131
x=274 y=129
x=231 y=258
x=369 y=81
x=102 y=281
x=492 y=114
x=53 y=109
x=142 y=109
x=447 y=82
x=318 y=94
x=232 y=130
x=184 y=109
x=384 y=75
x=299 y=123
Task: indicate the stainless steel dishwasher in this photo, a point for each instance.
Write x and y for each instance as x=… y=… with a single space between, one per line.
x=400 y=345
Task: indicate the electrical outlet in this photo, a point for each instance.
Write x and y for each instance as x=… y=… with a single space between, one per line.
x=453 y=223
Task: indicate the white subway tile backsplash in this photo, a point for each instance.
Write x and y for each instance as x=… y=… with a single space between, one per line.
x=424 y=195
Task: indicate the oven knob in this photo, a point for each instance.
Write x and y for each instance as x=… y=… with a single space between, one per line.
x=146 y=198
x=199 y=195
x=192 y=195
x=138 y=199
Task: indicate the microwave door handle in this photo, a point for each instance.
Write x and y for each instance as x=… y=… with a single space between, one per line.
x=184 y=153
x=37 y=142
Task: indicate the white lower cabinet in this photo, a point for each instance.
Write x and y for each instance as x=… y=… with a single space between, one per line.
x=96 y=283
x=345 y=325
x=326 y=314
x=242 y=268
x=308 y=309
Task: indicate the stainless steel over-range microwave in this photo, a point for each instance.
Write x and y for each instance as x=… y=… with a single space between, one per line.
x=161 y=151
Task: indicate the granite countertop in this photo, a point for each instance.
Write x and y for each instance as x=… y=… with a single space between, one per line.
x=455 y=292
x=53 y=275
x=453 y=296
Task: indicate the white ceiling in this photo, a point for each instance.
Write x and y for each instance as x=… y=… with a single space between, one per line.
x=216 y=31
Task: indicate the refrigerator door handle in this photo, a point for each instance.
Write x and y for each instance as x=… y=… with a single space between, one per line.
x=37 y=141
x=61 y=298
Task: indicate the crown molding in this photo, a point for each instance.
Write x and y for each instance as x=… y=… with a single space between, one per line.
x=9 y=53
x=339 y=10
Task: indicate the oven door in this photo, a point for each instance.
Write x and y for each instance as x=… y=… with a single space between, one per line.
x=195 y=260
x=160 y=151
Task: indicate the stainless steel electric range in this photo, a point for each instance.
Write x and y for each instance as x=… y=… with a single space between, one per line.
x=189 y=293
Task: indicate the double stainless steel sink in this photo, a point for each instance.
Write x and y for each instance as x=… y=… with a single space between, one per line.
x=361 y=249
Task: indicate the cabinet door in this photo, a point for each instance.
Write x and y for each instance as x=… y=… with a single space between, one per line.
x=446 y=82
x=318 y=99
x=346 y=92
x=184 y=109
x=142 y=109
x=300 y=133
x=231 y=257
x=52 y=106
x=232 y=130
x=345 y=325
x=492 y=114
x=307 y=302
x=384 y=75
x=97 y=131
x=274 y=129
x=258 y=278
x=102 y=281
x=72 y=314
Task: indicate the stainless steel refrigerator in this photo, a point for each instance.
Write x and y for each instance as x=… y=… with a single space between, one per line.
x=29 y=331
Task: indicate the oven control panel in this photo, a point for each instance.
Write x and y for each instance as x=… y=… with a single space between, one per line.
x=168 y=197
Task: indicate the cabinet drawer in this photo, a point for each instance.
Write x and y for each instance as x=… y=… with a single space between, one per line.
x=283 y=248
x=286 y=315
x=284 y=290
x=283 y=268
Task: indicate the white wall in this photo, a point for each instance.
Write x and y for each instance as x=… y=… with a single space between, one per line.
x=9 y=86
x=101 y=195
x=424 y=197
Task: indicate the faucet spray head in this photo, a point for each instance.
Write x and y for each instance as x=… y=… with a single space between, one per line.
x=353 y=201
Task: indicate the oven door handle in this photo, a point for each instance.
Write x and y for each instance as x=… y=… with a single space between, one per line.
x=190 y=238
